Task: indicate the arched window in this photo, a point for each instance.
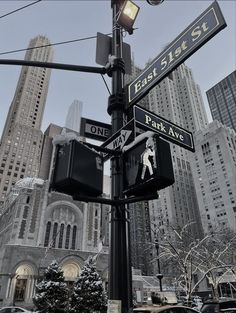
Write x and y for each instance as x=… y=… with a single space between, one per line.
x=25 y=214
x=73 y=237
x=22 y=229
x=54 y=235
x=67 y=237
x=61 y=236
x=47 y=234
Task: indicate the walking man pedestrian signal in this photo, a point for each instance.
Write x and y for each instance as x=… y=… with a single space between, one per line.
x=148 y=153
x=148 y=166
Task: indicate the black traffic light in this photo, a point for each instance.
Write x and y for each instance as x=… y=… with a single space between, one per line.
x=78 y=170
x=148 y=167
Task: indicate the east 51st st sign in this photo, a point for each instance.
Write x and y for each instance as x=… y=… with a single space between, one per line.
x=208 y=24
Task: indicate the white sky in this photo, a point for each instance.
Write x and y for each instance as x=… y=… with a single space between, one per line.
x=67 y=20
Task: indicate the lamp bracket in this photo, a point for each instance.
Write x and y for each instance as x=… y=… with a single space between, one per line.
x=114 y=64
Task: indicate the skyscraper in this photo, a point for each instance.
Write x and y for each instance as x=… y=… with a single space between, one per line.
x=214 y=174
x=74 y=116
x=178 y=99
x=222 y=101
x=21 y=141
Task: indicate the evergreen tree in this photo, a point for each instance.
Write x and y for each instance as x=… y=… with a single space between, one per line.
x=52 y=293
x=88 y=294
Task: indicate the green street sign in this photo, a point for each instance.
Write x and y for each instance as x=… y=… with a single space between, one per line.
x=147 y=120
x=207 y=25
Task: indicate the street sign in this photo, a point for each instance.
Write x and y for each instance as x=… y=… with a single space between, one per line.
x=207 y=25
x=123 y=137
x=170 y=131
x=147 y=166
x=94 y=129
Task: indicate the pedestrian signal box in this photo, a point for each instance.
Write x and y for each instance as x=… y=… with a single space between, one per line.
x=148 y=167
x=78 y=170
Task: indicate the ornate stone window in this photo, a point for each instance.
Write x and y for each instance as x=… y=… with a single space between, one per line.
x=47 y=234
x=67 y=237
x=73 y=237
x=61 y=236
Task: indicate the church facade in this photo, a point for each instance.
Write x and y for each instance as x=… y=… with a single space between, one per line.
x=38 y=226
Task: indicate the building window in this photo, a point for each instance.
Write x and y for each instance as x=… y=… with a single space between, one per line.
x=25 y=214
x=47 y=234
x=22 y=229
x=61 y=236
x=54 y=235
x=67 y=237
x=73 y=237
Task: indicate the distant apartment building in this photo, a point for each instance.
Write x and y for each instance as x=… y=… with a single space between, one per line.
x=21 y=141
x=222 y=101
x=215 y=176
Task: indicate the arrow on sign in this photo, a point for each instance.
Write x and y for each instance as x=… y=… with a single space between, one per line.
x=120 y=138
x=119 y=142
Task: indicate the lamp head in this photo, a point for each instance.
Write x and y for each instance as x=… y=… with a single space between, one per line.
x=127 y=15
x=155 y=2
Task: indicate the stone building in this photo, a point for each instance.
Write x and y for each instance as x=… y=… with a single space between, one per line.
x=37 y=227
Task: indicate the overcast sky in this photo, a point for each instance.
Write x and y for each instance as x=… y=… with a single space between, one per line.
x=68 y=20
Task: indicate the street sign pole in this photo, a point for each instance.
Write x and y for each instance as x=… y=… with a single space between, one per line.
x=120 y=281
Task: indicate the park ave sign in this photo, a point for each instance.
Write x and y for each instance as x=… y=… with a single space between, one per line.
x=149 y=121
x=208 y=24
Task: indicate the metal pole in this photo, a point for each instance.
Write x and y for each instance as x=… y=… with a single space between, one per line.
x=58 y=66
x=120 y=283
x=159 y=275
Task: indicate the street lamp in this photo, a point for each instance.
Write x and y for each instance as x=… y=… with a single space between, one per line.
x=127 y=15
x=124 y=14
x=158 y=275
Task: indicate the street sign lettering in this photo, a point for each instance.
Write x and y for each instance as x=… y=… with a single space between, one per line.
x=170 y=131
x=121 y=138
x=119 y=142
x=208 y=24
x=94 y=129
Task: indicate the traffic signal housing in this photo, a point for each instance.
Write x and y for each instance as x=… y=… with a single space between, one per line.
x=147 y=167
x=78 y=170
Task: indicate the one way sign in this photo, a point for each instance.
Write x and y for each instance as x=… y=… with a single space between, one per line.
x=123 y=137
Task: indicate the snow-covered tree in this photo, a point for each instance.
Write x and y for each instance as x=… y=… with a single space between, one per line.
x=215 y=258
x=210 y=257
x=51 y=294
x=178 y=252
x=88 y=294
